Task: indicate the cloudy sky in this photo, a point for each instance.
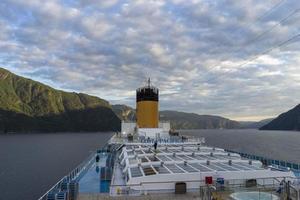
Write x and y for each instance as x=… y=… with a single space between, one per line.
x=238 y=59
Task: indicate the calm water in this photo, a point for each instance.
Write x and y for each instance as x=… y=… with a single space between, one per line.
x=281 y=145
x=31 y=164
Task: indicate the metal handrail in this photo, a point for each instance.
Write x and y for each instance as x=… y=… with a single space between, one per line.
x=82 y=167
x=74 y=174
x=203 y=181
x=281 y=163
x=169 y=140
x=233 y=184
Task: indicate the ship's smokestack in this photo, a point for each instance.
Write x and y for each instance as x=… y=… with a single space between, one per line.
x=147 y=106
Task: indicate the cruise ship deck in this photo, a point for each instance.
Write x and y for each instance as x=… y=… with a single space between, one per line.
x=136 y=170
x=147 y=160
x=139 y=169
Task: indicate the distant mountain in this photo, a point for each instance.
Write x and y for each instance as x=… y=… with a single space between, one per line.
x=289 y=120
x=253 y=124
x=181 y=120
x=124 y=112
x=30 y=106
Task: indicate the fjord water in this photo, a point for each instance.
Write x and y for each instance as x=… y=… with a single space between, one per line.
x=280 y=145
x=31 y=163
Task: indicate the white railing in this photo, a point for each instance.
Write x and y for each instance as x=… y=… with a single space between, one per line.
x=73 y=175
x=262 y=184
x=121 y=139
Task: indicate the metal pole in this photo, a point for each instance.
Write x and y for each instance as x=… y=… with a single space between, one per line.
x=288 y=191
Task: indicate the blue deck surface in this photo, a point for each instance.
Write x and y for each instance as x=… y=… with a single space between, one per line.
x=104 y=186
x=90 y=182
x=297 y=174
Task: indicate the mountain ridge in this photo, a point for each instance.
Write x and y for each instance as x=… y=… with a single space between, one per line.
x=184 y=120
x=180 y=120
x=30 y=106
x=254 y=124
x=38 y=105
x=289 y=120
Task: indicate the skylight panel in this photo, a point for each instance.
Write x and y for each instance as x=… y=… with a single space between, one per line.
x=200 y=167
x=187 y=168
x=135 y=172
x=174 y=168
x=161 y=170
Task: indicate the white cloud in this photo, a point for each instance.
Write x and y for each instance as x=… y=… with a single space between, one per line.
x=269 y=60
x=99 y=4
x=192 y=50
x=96 y=27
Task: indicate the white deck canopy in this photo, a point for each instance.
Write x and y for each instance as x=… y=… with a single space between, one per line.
x=148 y=169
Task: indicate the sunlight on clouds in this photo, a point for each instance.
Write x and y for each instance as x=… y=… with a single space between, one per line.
x=269 y=73
x=269 y=60
x=192 y=50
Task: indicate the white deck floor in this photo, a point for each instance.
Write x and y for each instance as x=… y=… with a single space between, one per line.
x=118 y=181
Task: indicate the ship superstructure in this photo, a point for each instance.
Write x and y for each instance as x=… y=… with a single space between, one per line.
x=145 y=159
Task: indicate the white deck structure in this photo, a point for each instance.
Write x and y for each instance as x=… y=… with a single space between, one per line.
x=131 y=127
x=147 y=169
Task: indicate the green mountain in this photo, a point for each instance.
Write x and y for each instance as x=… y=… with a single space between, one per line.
x=30 y=106
x=181 y=120
x=289 y=120
x=124 y=112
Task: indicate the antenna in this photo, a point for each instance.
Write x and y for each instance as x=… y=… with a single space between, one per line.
x=149 y=82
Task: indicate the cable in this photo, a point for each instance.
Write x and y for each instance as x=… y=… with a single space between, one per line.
x=259 y=36
x=274 y=26
x=261 y=16
x=270 y=10
x=260 y=54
